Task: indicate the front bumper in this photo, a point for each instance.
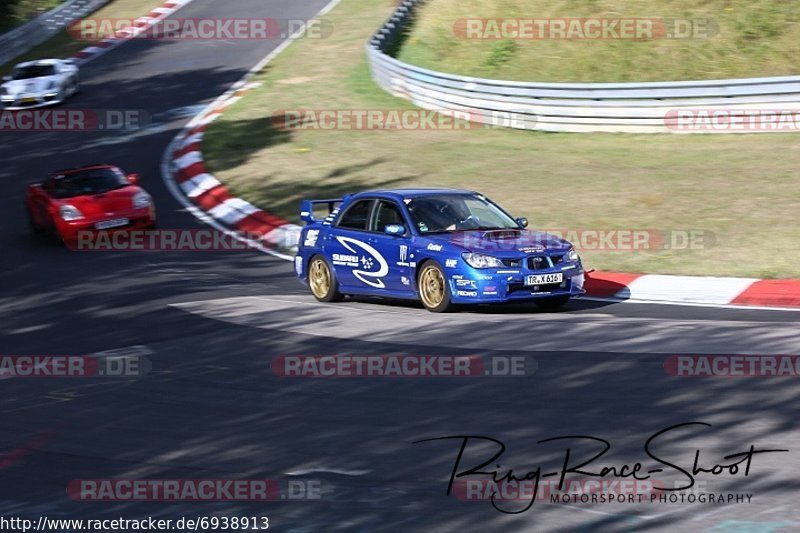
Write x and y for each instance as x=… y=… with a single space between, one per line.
x=28 y=101
x=506 y=285
x=138 y=219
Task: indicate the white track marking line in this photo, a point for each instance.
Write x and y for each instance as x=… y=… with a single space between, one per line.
x=187 y=160
x=199 y=184
x=200 y=118
x=712 y=290
x=650 y=286
x=689 y=304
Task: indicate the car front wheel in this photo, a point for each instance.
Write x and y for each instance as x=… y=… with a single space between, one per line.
x=322 y=280
x=433 y=290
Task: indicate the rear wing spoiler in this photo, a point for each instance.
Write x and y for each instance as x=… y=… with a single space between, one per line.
x=307 y=208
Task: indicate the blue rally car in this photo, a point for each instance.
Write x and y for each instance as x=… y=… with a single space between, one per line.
x=443 y=247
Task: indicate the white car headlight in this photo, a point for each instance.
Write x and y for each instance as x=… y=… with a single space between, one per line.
x=141 y=200
x=572 y=256
x=51 y=85
x=70 y=212
x=482 y=261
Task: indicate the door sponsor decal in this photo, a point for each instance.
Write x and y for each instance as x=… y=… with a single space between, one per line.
x=367 y=258
x=311 y=238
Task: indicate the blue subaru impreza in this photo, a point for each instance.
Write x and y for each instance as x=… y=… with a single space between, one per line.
x=444 y=247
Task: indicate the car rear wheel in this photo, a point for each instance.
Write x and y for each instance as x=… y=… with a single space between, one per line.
x=433 y=290
x=322 y=281
x=552 y=304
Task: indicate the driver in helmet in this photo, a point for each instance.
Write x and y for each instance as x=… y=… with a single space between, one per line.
x=431 y=214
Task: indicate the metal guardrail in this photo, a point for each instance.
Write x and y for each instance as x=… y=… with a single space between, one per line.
x=33 y=33
x=570 y=107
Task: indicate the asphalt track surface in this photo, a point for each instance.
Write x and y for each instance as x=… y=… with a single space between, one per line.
x=212 y=408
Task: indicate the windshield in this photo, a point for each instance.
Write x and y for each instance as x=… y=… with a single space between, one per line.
x=33 y=71
x=88 y=182
x=457 y=212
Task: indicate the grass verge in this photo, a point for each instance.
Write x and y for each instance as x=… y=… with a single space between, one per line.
x=712 y=39
x=16 y=12
x=742 y=188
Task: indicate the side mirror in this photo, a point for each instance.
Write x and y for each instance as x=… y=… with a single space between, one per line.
x=134 y=179
x=523 y=222
x=394 y=229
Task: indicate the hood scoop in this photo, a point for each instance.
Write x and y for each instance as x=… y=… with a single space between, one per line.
x=500 y=234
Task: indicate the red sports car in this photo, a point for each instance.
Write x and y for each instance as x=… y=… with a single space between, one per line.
x=93 y=198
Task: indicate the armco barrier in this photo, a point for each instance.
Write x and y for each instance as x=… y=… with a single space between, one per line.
x=33 y=33
x=570 y=107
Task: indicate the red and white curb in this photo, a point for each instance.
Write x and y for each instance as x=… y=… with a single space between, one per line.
x=212 y=202
x=203 y=195
x=695 y=290
x=206 y=198
x=139 y=26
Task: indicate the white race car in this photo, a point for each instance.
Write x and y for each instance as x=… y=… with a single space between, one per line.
x=39 y=83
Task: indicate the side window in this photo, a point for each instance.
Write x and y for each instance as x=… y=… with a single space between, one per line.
x=386 y=213
x=356 y=216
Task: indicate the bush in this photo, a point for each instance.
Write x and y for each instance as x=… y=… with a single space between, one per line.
x=15 y=12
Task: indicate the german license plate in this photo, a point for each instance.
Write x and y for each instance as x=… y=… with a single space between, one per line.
x=30 y=100
x=113 y=223
x=544 y=279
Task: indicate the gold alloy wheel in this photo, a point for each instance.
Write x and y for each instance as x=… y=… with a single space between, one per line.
x=431 y=286
x=319 y=277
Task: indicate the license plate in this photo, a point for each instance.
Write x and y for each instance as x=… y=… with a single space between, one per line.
x=30 y=100
x=544 y=279
x=115 y=223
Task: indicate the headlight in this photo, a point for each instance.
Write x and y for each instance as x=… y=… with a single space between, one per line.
x=141 y=200
x=482 y=261
x=572 y=256
x=51 y=85
x=70 y=212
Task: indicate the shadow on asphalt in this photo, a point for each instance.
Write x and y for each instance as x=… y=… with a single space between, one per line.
x=213 y=408
x=489 y=309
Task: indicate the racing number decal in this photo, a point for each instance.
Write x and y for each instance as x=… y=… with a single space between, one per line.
x=371 y=278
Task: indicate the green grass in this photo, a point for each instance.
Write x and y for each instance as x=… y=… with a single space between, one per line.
x=64 y=45
x=16 y=12
x=746 y=39
x=745 y=189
